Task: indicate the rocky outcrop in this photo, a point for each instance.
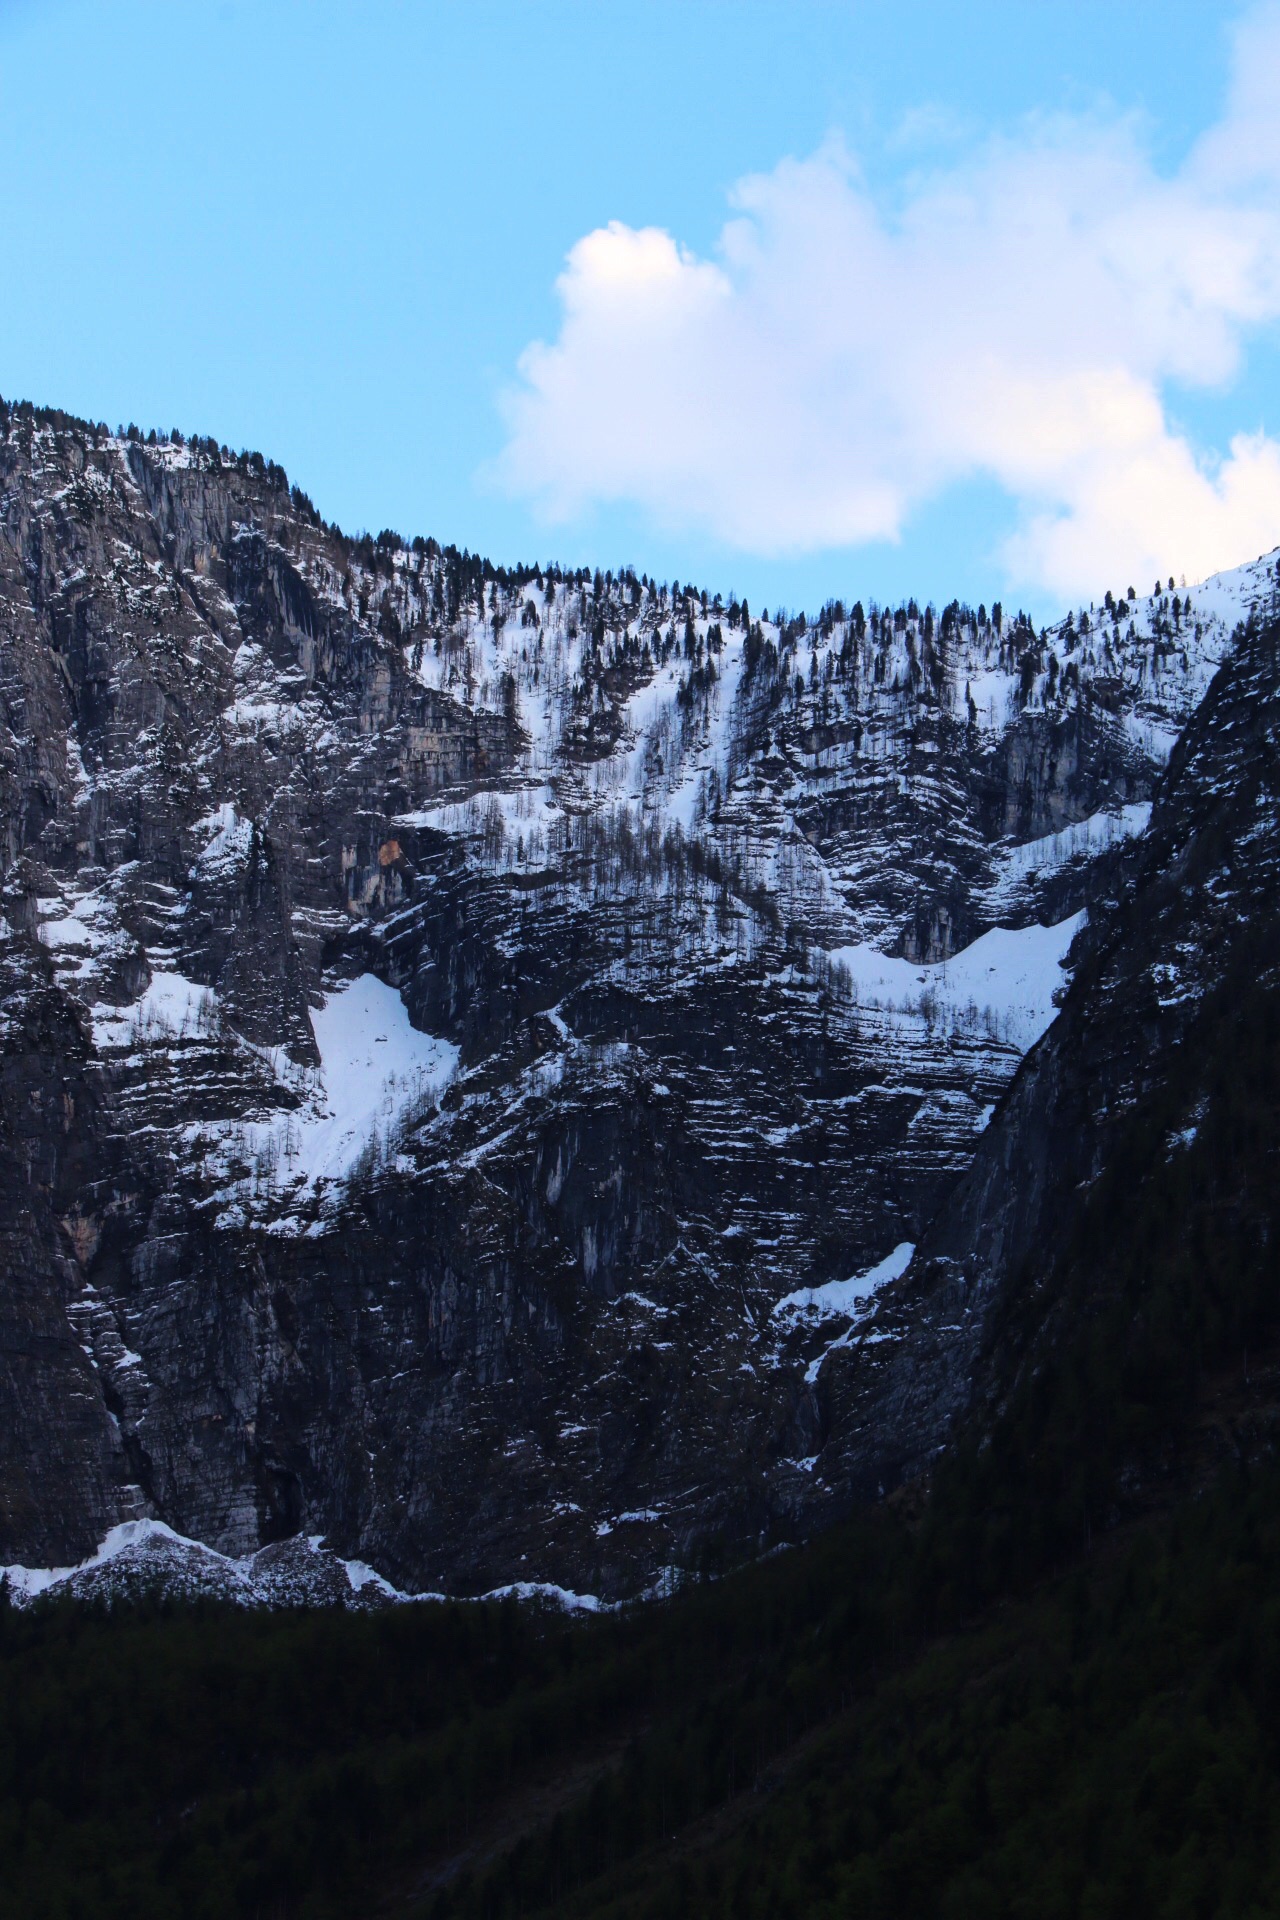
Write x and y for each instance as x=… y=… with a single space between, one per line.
x=1193 y=926
x=448 y=1008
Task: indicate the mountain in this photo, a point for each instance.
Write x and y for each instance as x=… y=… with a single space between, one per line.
x=1124 y=1193
x=464 y=1026
x=1041 y=1677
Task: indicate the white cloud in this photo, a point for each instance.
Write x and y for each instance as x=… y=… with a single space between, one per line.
x=1019 y=317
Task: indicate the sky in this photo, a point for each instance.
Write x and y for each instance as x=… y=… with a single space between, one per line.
x=799 y=301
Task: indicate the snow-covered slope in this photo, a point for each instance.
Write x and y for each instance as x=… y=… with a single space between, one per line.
x=1004 y=982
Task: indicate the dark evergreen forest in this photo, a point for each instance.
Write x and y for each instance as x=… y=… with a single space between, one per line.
x=1047 y=1685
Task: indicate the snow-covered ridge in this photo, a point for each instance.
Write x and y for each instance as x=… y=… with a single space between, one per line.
x=534 y=645
x=681 y=687
x=140 y=1556
x=640 y=708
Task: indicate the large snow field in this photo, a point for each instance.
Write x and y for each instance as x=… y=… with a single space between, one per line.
x=375 y=1071
x=1006 y=979
x=374 y=1066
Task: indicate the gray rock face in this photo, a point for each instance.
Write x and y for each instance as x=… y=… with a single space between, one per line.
x=446 y=1009
x=1196 y=917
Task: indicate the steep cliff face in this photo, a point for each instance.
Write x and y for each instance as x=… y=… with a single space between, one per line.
x=1170 y=979
x=448 y=1009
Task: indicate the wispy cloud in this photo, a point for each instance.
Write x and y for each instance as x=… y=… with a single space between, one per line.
x=1020 y=317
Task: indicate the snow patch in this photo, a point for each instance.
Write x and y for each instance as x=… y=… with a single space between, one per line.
x=1004 y=981
x=1085 y=839
x=376 y=1071
x=548 y=1593
x=513 y=824
x=139 y=1556
x=172 y=1008
x=82 y=933
x=228 y=842
x=847 y=1296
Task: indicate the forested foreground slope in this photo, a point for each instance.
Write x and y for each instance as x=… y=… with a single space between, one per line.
x=1041 y=1680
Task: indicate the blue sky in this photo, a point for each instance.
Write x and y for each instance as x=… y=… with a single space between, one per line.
x=331 y=232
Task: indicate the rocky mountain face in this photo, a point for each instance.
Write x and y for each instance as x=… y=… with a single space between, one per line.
x=463 y=1027
x=1170 y=972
